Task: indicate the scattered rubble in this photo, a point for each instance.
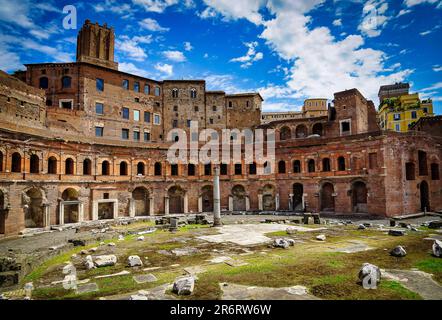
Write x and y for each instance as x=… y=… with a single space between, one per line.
x=399 y=252
x=184 y=286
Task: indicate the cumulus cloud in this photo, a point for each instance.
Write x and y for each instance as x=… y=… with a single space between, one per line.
x=131 y=48
x=113 y=6
x=152 y=25
x=164 y=68
x=188 y=46
x=174 y=55
x=251 y=56
x=234 y=9
x=132 y=69
x=411 y=3
x=373 y=18
x=337 y=22
x=157 y=6
x=319 y=63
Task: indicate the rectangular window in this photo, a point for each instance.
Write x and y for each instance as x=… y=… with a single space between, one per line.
x=99 y=108
x=125 y=134
x=99 y=83
x=136 y=86
x=125 y=113
x=99 y=131
x=146 y=116
x=223 y=169
x=214 y=108
x=423 y=168
x=238 y=169
x=146 y=136
x=398 y=127
x=425 y=110
x=188 y=123
x=137 y=135
x=146 y=89
x=413 y=115
x=126 y=84
x=211 y=121
x=397 y=116
x=157 y=91
x=66 y=104
x=157 y=119
x=345 y=127
x=136 y=115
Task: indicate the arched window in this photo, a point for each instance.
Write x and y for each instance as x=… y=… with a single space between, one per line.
x=311 y=165
x=43 y=83
x=174 y=93
x=281 y=166
x=34 y=164
x=193 y=94
x=140 y=169
x=296 y=166
x=66 y=82
x=285 y=133
x=87 y=167
x=52 y=165
x=1 y=161
x=158 y=169
x=301 y=131
x=69 y=166
x=190 y=169
x=317 y=129
x=16 y=162
x=238 y=169
x=105 y=168
x=123 y=168
x=341 y=164
x=326 y=165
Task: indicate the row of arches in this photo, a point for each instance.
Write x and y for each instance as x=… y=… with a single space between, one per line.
x=311 y=165
x=301 y=131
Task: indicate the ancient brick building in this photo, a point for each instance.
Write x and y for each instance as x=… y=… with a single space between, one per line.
x=83 y=141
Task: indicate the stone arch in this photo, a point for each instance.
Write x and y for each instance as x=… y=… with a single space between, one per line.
x=424 y=191
x=33 y=205
x=34 y=164
x=341 y=163
x=87 y=167
x=281 y=166
x=140 y=196
x=285 y=133
x=141 y=168
x=239 y=198
x=16 y=162
x=359 y=194
x=326 y=165
x=123 y=168
x=326 y=195
x=296 y=166
x=301 y=131
x=157 y=168
x=70 y=194
x=176 y=199
x=71 y=211
x=269 y=198
x=298 y=194
x=317 y=129
x=207 y=198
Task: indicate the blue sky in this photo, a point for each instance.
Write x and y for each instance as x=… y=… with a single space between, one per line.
x=287 y=50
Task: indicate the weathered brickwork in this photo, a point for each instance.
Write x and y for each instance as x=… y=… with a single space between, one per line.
x=58 y=167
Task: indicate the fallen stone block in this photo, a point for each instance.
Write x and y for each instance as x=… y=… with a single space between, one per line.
x=396 y=232
x=105 y=261
x=134 y=261
x=437 y=248
x=399 y=252
x=184 y=286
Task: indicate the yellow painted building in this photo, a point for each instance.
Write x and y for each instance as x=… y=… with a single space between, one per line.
x=398 y=113
x=315 y=108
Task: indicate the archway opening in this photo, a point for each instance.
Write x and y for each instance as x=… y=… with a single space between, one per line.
x=52 y=165
x=87 y=167
x=239 y=198
x=105 y=168
x=268 y=198
x=140 y=197
x=317 y=129
x=301 y=131
x=176 y=199
x=140 y=169
x=207 y=199
x=123 y=168
x=359 y=197
x=298 y=193
x=424 y=196
x=157 y=169
x=281 y=166
x=69 y=166
x=285 y=133
x=327 y=198
x=34 y=211
x=71 y=207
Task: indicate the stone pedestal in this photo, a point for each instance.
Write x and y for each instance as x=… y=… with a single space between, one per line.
x=217 y=199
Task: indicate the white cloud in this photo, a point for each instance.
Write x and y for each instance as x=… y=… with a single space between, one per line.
x=436 y=86
x=279 y=106
x=174 y=55
x=251 y=56
x=373 y=18
x=410 y=3
x=188 y=46
x=337 y=22
x=164 y=68
x=225 y=82
x=131 y=47
x=234 y=9
x=9 y=61
x=16 y=12
x=157 y=6
x=132 y=69
x=437 y=68
x=152 y=25
x=427 y=32
x=403 y=12
x=114 y=7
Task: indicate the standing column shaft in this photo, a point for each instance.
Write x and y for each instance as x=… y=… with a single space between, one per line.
x=216 y=199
